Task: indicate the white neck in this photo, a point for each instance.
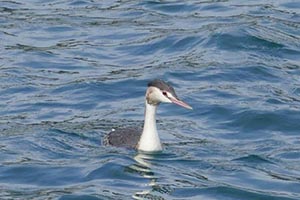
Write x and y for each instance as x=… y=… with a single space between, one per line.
x=149 y=140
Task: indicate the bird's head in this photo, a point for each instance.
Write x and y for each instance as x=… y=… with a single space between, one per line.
x=159 y=91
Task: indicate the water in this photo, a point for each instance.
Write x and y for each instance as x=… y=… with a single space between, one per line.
x=70 y=71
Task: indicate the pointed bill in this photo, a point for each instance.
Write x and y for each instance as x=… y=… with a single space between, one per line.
x=181 y=103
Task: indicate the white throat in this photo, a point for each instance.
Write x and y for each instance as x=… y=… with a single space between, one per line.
x=149 y=140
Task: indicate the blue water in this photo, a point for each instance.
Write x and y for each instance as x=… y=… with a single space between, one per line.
x=70 y=71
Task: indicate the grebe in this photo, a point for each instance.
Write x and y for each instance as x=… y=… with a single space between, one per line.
x=146 y=140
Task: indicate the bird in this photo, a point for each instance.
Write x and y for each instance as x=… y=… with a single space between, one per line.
x=147 y=139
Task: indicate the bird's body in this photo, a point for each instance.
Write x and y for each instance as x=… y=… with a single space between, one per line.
x=124 y=137
x=147 y=139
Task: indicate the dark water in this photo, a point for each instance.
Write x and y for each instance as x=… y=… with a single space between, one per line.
x=70 y=71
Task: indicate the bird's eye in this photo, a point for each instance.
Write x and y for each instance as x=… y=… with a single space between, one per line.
x=164 y=93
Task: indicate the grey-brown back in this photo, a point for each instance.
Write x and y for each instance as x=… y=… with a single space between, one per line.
x=123 y=137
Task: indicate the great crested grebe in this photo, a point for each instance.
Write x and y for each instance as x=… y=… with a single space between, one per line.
x=146 y=140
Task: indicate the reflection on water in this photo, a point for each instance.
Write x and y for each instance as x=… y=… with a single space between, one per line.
x=143 y=167
x=154 y=187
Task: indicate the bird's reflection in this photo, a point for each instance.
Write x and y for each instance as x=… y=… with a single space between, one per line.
x=144 y=168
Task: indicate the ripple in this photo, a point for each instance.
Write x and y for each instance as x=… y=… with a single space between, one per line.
x=226 y=190
x=253 y=159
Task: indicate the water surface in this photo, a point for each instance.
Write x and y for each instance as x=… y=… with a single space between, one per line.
x=70 y=71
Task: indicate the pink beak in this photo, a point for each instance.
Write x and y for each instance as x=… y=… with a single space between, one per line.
x=181 y=103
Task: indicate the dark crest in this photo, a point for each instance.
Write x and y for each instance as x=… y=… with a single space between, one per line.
x=160 y=84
